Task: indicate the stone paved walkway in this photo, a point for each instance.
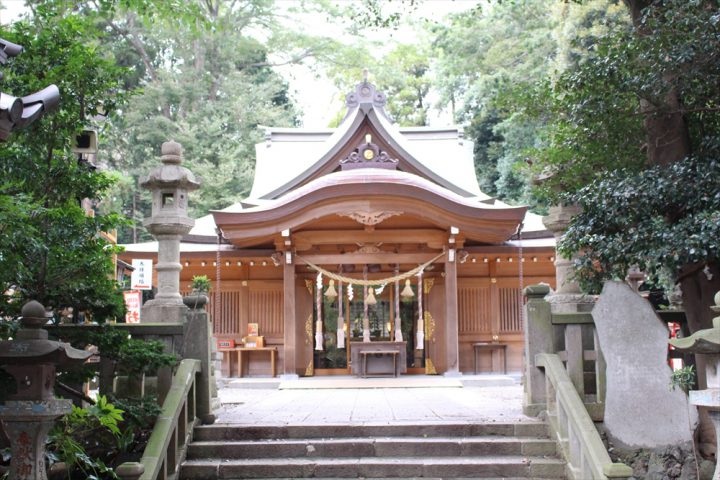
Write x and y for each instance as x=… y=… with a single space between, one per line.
x=370 y=405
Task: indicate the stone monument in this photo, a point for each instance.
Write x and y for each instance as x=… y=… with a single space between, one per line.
x=169 y=185
x=641 y=411
x=30 y=413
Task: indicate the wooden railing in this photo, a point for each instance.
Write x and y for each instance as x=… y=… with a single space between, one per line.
x=166 y=448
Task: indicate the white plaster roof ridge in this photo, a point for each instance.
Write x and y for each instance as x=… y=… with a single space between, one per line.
x=533 y=242
x=266 y=183
x=460 y=172
x=532 y=222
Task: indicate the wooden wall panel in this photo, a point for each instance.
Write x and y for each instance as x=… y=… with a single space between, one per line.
x=267 y=310
x=510 y=312
x=474 y=309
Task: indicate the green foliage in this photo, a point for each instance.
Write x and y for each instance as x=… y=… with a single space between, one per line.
x=201 y=283
x=600 y=110
x=683 y=378
x=83 y=430
x=50 y=250
x=130 y=356
x=495 y=69
x=660 y=219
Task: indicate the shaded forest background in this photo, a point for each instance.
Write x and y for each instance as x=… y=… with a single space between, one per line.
x=613 y=105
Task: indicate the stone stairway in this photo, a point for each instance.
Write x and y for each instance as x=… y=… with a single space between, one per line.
x=489 y=450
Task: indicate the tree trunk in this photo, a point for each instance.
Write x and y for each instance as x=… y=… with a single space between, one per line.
x=668 y=137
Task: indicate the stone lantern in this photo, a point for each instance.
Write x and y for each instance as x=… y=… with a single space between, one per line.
x=707 y=342
x=169 y=185
x=27 y=417
x=568 y=297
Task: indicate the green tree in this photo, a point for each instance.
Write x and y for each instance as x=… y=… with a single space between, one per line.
x=635 y=142
x=50 y=250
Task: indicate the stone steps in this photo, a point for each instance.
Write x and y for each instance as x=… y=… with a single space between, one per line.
x=397 y=467
x=242 y=432
x=491 y=450
x=372 y=447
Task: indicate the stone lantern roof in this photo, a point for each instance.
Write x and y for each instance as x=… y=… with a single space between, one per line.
x=171 y=174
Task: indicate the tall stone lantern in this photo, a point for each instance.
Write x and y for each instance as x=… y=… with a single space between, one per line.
x=169 y=185
x=568 y=297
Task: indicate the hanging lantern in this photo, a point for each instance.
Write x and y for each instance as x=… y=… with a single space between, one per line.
x=370 y=300
x=407 y=292
x=330 y=292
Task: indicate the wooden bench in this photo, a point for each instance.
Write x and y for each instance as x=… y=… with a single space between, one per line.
x=491 y=347
x=237 y=352
x=378 y=353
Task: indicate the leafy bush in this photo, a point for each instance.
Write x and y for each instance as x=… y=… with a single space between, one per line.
x=84 y=435
x=201 y=283
x=659 y=219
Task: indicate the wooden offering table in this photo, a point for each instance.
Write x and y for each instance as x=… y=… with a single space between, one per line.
x=492 y=348
x=378 y=358
x=238 y=352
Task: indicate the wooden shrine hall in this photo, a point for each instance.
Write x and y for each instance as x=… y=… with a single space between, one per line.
x=364 y=244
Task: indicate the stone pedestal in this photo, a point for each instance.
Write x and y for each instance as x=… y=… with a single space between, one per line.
x=27 y=424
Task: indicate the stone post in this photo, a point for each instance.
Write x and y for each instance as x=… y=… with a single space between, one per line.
x=30 y=413
x=197 y=344
x=568 y=297
x=538 y=339
x=169 y=185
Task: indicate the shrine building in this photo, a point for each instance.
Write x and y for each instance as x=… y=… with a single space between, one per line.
x=368 y=236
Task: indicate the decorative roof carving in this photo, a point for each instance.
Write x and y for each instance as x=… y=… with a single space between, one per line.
x=371 y=218
x=368 y=155
x=365 y=92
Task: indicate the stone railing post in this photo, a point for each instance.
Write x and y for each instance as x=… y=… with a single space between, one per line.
x=538 y=339
x=130 y=471
x=197 y=344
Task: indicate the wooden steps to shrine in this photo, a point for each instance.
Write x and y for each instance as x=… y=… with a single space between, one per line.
x=491 y=450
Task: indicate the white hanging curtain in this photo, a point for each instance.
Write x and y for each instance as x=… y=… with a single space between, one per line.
x=420 y=344
x=366 y=319
x=341 y=318
x=398 y=325
x=318 y=305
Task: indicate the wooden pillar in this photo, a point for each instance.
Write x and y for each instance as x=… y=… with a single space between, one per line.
x=451 y=319
x=289 y=363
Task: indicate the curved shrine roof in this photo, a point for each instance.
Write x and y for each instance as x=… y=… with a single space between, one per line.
x=367 y=191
